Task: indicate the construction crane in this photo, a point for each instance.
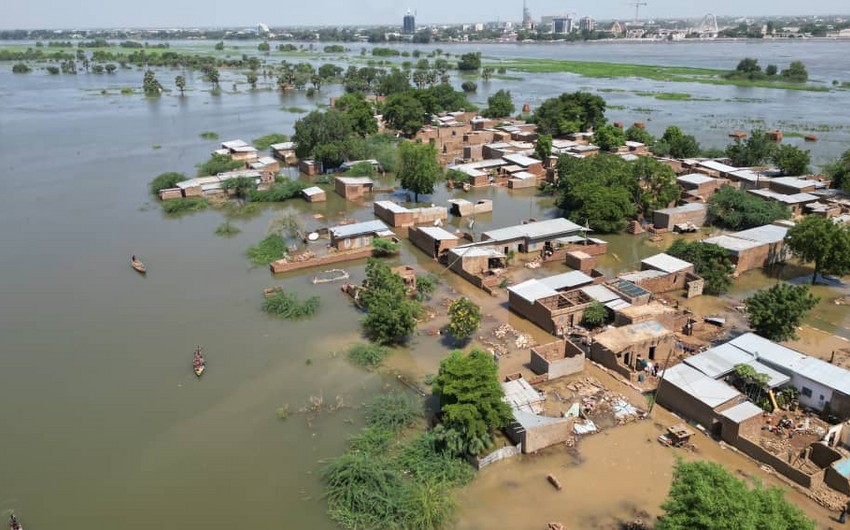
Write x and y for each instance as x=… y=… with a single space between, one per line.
x=637 y=10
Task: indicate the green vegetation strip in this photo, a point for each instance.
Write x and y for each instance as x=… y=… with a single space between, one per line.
x=682 y=74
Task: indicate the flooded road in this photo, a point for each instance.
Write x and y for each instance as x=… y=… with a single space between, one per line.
x=104 y=426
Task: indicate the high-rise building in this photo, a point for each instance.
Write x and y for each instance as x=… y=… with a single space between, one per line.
x=562 y=25
x=586 y=24
x=527 y=21
x=409 y=25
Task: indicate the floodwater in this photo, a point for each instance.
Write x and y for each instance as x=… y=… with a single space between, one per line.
x=103 y=424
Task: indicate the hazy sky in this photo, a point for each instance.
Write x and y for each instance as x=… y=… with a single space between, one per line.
x=169 y=13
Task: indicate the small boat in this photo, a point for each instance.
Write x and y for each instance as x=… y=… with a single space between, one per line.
x=14 y=524
x=138 y=265
x=199 y=363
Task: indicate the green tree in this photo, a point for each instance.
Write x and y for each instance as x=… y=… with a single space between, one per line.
x=738 y=209
x=705 y=496
x=21 y=68
x=213 y=76
x=323 y=136
x=219 y=45
x=499 y=105
x=569 y=113
x=598 y=190
x=360 y=113
x=404 y=112
x=330 y=71
x=150 y=85
x=263 y=47
x=469 y=62
x=252 y=79
x=464 y=318
x=469 y=86
x=394 y=82
x=595 y=315
x=609 y=137
x=391 y=316
x=748 y=65
x=838 y=171
x=826 y=244
x=419 y=170
x=636 y=134
x=110 y=68
x=676 y=144
x=796 y=72
x=655 y=185
x=792 y=160
x=771 y=70
x=711 y=262
x=776 y=312
x=543 y=147
x=470 y=397
x=756 y=150
x=486 y=74
x=166 y=180
x=180 y=81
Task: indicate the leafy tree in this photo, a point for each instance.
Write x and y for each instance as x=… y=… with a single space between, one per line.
x=595 y=315
x=470 y=396
x=150 y=85
x=396 y=81
x=656 y=186
x=323 y=136
x=704 y=495
x=252 y=79
x=52 y=70
x=385 y=247
x=218 y=163
x=711 y=262
x=543 y=148
x=263 y=47
x=362 y=169
x=469 y=62
x=676 y=144
x=110 y=68
x=796 y=72
x=756 y=150
x=776 y=312
x=636 y=134
x=425 y=286
x=771 y=70
x=166 y=180
x=391 y=315
x=21 y=68
x=404 y=112
x=738 y=209
x=360 y=113
x=597 y=190
x=748 y=65
x=569 y=113
x=838 y=171
x=499 y=105
x=464 y=318
x=419 y=170
x=792 y=160
x=219 y=45
x=213 y=76
x=609 y=138
x=819 y=240
x=180 y=81
x=469 y=86
x=486 y=73
x=330 y=71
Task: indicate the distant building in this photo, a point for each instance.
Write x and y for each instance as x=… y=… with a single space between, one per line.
x=586 y=24
x=562 y=25
x=263 y=30
x=409 y=25
x=527 y=21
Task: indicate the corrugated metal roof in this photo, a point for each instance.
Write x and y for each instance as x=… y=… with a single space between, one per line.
x=355 y=181
x=437 y=233
x=798 y=183
x=532 y=290
x=696 y=179
x=730 y=243
x=520 y=395
x=795 y=198
x=635 y=277
x=566 y=280
x=763 y=234
x=391 y=206
x=768 y=351
x=750 y=176
x=283 y=146
x=698 y=385
x=828 y=375
x=743 y=412
x=539 y=229
x=686 y=208
x=469 y=251
x=717 y=166
x=313 y=190
x=521 y=160
x=233 y=144
x=666 y=262
x=617 y=305
x=721 y=360
x=600 y=293
x=356 y=229
x=524 y=175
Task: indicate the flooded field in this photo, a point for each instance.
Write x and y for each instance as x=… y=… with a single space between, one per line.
x=104 y=424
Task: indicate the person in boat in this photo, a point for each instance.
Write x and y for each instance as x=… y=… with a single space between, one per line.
x=133 y=258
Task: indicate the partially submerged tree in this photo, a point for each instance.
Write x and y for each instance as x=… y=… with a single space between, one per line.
x=704 y=495
x=404 y=112
x=711 y=262
x=471 y=404
x=391 y=316
x=419 y=171
x=150 y=86
x=676 y=143
x=609 y=137
x=776 y=312
x=570 y=113
x=755 y=150
x=499 y=105
x=826 y=244
x=180 y=82
x=543 y=147
x=464 y=318
x=738 y=209
x=792 y=160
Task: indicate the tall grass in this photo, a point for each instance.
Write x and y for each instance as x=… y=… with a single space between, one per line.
x=184 y=205
x=266 y=251
x=289 y=306
x=367 y=354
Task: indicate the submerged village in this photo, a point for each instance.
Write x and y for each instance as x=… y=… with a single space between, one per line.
x=618 y=346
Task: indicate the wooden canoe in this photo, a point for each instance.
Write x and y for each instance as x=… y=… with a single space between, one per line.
x=199 y=370
x=138 y=265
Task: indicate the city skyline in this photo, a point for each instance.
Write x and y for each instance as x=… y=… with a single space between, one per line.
x=47 y=14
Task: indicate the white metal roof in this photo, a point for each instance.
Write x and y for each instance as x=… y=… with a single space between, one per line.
x=636 y=277
x=696 y=179
x=532 y=290
x=600 y=293
x=437 y=233
x=828 y=375
x=685 y=208
x=667 y=263
x=763 y=234
x=566 y=280
x=717 y=166
x=521 y=160
x=369 y=227
x=355 y=181
x=798 y=183
x=522 y=396
x=539 y=229
x=795 y=198
x=283 y=146
x=233 y=144
x=743 y=412
x=391 y=206
x=721 y=360
x=313 y=190
x=731 y=243
x=698 y=385
x=524 y=175
x=468 y=251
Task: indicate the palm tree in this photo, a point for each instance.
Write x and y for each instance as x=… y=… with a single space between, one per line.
x=180 y=81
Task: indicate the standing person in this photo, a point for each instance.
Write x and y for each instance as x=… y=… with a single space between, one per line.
x=842 y=517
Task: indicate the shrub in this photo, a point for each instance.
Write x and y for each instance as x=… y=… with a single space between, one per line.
x=226 y=229
x=289 y=306
x=393 y=411
x=184 y=205
x=209 y=135
x=165 y=181
x=595 y=315
x=264 y=142
x=279 y=192
x=21 y=68
x=266 y=251
x=464 y=318
x=385 y=247
x=369 y=355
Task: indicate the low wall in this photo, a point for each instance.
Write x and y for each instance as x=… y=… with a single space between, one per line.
x=281 y=266
x=761 y=454
x=508 y=451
